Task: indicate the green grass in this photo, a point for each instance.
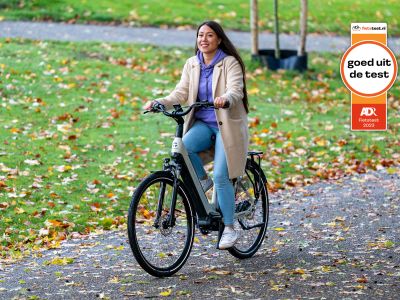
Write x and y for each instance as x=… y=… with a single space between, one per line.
x=74 y=144
x=332 y=16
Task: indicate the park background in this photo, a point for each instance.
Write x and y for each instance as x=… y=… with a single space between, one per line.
x=73 y=141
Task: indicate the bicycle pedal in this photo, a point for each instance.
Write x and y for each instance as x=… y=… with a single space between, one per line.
x=204 y=231
x=242 y=206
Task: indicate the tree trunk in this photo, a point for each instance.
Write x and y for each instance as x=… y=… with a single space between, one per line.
x=277 y=47
x=254 y=26
x=303 y=28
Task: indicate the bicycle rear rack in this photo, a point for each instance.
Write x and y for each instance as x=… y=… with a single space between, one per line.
x=252 y=154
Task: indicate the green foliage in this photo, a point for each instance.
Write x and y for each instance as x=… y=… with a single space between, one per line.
x=5 y=4
x=10 y=4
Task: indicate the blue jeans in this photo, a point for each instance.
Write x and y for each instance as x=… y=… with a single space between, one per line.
x=201 y=137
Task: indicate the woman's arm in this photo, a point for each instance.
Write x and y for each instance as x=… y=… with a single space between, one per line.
x=234 y=82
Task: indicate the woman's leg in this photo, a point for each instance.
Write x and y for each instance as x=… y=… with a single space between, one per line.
x=197 y=139
x=223 y=186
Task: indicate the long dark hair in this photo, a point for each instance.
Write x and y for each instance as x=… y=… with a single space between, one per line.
x=227 y=46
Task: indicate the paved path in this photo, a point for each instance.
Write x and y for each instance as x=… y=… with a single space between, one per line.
x=333 y=240
x=165 y=37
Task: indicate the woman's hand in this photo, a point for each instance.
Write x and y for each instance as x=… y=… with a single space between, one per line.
x=148 y=105
x=220 y=102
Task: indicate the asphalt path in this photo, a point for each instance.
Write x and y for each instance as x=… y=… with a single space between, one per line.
x=167 y=37
x=331 y=240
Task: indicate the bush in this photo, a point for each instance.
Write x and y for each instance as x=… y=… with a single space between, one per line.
x=13 y=3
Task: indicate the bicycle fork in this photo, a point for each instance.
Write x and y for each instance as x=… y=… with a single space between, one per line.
x=171 y=217
x=159 y=205
x=169 y=221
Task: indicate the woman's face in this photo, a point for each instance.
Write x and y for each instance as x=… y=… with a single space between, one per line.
x=207 y=40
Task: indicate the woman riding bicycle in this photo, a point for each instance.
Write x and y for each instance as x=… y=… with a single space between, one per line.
x=216 y=74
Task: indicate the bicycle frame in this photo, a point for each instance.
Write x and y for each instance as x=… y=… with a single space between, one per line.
x=183 y=168
x=189 y=177
x=207 y=213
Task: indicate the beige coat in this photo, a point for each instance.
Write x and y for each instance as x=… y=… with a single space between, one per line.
x=227 y=81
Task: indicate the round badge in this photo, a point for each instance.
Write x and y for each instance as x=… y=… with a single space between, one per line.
x=368 y=68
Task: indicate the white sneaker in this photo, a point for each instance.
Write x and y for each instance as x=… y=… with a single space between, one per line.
x=206 y=184
x=228 y=238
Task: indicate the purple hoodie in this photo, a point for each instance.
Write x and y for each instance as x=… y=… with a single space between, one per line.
x=207 y=115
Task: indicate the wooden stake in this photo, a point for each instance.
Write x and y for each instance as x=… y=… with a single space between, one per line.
x=254 y=26
x=303 y=28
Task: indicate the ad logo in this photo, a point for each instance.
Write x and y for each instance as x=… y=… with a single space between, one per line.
x=368 y=112
x=368 y=28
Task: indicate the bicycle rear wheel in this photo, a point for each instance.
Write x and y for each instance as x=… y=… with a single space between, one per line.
x=252 y=210
x=161 y=250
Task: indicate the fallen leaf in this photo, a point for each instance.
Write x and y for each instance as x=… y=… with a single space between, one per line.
x=59 y=261
x=166 y=293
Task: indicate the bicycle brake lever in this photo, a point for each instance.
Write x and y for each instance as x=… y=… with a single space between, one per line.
x=226 y=105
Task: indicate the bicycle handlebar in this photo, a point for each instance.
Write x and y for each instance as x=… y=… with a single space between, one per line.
x=178 y=112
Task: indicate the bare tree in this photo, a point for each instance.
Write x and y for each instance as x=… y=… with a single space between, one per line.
x=254 y=26
x=277 y=47
x=303 y=28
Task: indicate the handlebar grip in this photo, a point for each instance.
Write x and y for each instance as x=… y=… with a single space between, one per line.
x=157 y=106
x=210 y=104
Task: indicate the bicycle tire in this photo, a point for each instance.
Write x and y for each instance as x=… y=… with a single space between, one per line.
x=139 y=239
x=239 y=250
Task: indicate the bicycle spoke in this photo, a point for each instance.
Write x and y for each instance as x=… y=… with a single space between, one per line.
x=251 y=213
x=163 y=245
x=160 y=248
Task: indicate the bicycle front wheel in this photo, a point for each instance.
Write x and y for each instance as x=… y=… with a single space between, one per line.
x=160 y=249
x=252 y=210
